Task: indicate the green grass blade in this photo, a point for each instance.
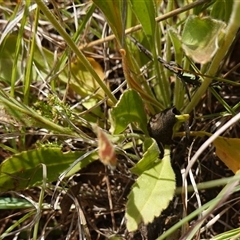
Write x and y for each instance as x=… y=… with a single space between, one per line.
x=112 y=11
x=28 y=73
x=19 y=47
x=75 y=49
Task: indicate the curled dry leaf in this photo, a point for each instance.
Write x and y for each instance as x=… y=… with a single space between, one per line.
x=228 y=150
x=82 y=81
x=106 y=149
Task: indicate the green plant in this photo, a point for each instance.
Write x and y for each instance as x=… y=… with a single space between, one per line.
x=197 y=36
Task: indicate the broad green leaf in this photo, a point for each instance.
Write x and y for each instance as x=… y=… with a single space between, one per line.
x=149 y=157
x=151 y=193
x=42 y=59
x=201 y=36
x=24 y=169
x=227 y=149
x=129 y=109
x=7 y=53
x=145 y=12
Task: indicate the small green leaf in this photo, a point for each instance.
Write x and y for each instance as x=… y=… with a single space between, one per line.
x=149 y=157
x=24 y=169
x=201 y=36
x=129 y=109
x=42 y=59
x=151 y=193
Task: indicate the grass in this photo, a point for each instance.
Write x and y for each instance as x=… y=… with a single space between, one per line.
x=67 y=68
